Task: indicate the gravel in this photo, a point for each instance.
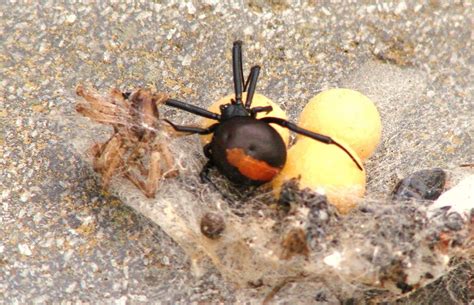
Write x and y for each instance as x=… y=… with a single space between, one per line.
x=64 y=239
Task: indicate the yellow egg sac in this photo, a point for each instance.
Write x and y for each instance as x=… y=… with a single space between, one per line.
x=347 y=115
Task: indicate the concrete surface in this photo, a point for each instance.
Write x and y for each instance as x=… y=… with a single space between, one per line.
x=63 y=239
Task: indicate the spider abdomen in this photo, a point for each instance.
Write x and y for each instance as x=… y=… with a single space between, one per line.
x=247 y=151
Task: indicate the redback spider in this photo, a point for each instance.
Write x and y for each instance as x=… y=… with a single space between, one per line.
x=247 y=150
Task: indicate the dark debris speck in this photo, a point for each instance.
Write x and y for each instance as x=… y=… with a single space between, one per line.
x=424 y=184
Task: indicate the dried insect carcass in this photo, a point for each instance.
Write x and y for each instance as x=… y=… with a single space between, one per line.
x=138 y=149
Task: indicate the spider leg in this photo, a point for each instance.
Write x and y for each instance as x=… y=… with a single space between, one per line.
x=171 y=170
x=239 y=57
x=101 y=152
x=237 y=71
x=109 y=160
x=193 y=130
x=94 y=99
x=118 y=98
x=207 y=150
x=150 y=186
x=109 y=109
x=255 y=110
x=95 y=115
x=252 y=83
x=192 y=109
x=115 y=162
x=310 y=134
x=204 y=174
x=154 y=172
x=96 y=150
x=136 y=155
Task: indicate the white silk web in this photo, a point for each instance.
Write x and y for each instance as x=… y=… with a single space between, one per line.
x=384 y=245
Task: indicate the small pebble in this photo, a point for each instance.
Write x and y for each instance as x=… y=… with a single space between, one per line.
x=25 y=197
x=425 y=184
x=165 y=261
x=70 y=19
x=24 y=249
x=212 y=225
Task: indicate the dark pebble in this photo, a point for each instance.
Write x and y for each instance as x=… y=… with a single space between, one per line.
x=212 y=225
x=425 y=184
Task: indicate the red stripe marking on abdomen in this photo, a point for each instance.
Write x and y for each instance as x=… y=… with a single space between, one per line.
x=250 y=167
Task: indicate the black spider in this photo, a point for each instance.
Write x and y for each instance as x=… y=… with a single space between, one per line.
x=247 y=150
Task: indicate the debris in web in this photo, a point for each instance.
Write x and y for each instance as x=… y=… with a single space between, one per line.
x=398 y=239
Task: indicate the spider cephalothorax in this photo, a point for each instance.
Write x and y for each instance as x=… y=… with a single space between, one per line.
x=247 y=150
x=137 y=148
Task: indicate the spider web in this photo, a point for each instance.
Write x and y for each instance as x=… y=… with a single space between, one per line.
x=377 y=252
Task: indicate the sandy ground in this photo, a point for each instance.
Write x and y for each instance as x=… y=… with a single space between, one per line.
x=63 y=239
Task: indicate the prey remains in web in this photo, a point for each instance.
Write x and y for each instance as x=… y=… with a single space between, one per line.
x=138 y=148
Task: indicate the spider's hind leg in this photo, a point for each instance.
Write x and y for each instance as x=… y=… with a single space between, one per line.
x=204 y=174
x=313 y=135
